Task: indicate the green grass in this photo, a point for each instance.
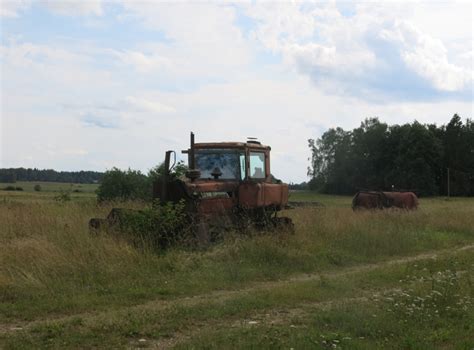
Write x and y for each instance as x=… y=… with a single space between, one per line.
x=112 y=294
x=360 y=308
x=325 y=199
x=29 y=186
x=422 y=305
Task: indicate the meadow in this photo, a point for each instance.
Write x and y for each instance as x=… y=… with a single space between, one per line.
x=344 y=279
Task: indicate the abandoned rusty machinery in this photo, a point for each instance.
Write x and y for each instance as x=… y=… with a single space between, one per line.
x=228 y=184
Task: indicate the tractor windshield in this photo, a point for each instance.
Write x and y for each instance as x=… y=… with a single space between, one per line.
x=225 y=164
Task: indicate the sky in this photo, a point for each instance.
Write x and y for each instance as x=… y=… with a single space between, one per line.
x=89 y=85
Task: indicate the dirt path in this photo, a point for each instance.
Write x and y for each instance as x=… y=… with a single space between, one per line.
x=224 y=295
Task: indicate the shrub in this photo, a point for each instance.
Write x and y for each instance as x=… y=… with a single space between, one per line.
x=19 y=188
x=117 y=184
x=37 y=188
x=124 y=185
x=10 y=188
x=158 y=226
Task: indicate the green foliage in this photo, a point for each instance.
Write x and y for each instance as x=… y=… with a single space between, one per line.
x=176 y=172
x=410 y=157
x=117 y=184
x=37 y=188
x=124 y=185
x=157 y=226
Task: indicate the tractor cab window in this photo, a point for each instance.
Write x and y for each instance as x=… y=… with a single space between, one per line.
x=257 y=165
x=223 y=164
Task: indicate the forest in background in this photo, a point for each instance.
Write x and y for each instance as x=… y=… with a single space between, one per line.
x=378 y=156
x=12 y=175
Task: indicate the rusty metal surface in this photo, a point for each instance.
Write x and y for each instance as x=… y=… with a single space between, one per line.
x=262 y=194
x=215 y=205
x=241 y=145
x=380 y=200
x=212 y=186
x=405 y=200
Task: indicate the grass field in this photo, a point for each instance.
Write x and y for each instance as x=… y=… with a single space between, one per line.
x=52 y=186
x=360 y=280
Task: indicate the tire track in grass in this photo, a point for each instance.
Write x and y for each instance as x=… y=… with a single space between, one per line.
x=225 y=295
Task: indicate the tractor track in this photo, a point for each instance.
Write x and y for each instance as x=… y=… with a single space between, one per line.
x=222 y=296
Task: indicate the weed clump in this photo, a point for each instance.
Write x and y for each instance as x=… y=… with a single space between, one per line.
x=158 y=226
x=63 y=196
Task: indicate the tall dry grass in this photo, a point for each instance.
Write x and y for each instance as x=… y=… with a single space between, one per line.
x=50 y=263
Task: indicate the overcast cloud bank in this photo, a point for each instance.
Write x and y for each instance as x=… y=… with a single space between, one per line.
x=91 y=85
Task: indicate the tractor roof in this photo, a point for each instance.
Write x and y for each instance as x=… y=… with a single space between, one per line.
x=250 y=144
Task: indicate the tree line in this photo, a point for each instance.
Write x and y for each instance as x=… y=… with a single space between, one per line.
x=12 y=175
x=378 y=156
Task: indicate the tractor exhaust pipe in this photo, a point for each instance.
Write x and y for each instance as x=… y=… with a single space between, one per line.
x=191 y=161
x=165 y=177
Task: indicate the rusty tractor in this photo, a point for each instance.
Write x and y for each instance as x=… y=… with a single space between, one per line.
x=227 y=184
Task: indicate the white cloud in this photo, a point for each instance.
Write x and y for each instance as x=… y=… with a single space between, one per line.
x=333 y=49
x=143 y=104
x=74 y=7
x=203 y=37
x=142 y=62
x=13 y=8
x=427 y=57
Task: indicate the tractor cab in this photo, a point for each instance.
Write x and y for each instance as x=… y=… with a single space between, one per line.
x=231 y=161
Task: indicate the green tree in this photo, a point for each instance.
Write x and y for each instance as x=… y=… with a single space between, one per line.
x=410 y=156
x=117 y=184
x=330 y=161
x=416 y=153
x=369 y=154
x=177 y=171
x=458 y=142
